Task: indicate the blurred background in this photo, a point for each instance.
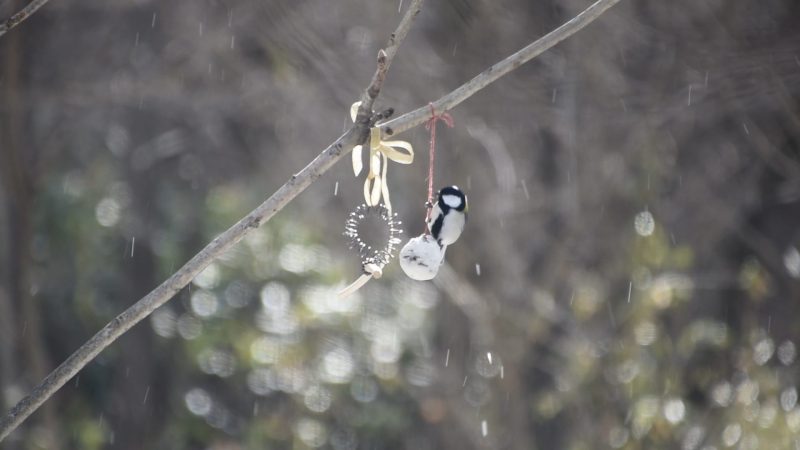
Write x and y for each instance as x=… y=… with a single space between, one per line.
x=629 y=277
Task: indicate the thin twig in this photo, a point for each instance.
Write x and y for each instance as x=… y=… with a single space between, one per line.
x=286 y=193
x=19 y=17
x=466 y=90
x=222 y=243
x=386 y=56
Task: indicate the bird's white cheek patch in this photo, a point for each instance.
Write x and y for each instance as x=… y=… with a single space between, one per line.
x=452 y=201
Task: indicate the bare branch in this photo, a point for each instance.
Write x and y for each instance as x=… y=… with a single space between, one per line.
x=466 y=90
x=19 y=17
x=297 y=184
x=385 y=58
x=222 y=243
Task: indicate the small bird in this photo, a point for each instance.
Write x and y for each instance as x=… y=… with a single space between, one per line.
x=448 y=216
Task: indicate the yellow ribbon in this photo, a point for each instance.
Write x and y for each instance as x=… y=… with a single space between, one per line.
x=370 y=271
x=380 y=152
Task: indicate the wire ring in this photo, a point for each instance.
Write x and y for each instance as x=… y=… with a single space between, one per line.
x=368 y=254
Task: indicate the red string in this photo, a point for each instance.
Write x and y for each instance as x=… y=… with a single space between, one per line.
x=431 y=125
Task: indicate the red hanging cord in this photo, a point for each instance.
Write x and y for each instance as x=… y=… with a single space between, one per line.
x=431 y=125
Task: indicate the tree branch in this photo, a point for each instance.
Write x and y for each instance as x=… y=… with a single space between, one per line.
x=466 y=90
x=19 y=17
x=386 y=56
x=286 y=193
x=222 y=243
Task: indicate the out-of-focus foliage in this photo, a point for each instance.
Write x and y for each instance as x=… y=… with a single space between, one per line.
x=629 y=276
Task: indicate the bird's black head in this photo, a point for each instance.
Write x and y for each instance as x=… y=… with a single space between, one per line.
x=451 y=197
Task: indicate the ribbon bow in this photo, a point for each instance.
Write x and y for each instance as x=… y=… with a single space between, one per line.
x=380 y=152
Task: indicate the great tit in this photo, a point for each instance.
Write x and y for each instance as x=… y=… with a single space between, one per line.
x=448 y=216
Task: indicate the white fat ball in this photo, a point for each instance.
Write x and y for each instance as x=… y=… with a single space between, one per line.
x=421 y=257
